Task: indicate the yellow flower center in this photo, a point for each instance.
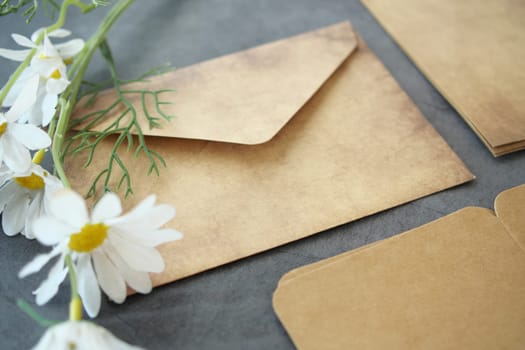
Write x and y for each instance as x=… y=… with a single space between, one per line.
x=68 y=61
x=3 y=126
x=32 y=182
x=90 y=237
x=42 y=56
x=56 y=74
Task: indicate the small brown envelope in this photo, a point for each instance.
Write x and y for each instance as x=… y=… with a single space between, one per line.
x=279 y=142
x=455 y=283
x=474 y=53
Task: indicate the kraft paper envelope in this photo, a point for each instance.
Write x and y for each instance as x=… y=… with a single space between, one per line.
x=473 y=52
x=505 y=207
x=455 y=283
x=279 y=142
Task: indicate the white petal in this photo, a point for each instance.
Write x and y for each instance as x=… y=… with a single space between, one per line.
x=114 y=343
x=13 y=218
x=59 y=33
x=53 y=184
x=56 y=86
x=138 y=211
x=138 y=280
x=50 y=231
x=16 y=156
x=12 y=94
x=34 y=115
x=163 y=213
x=109 y=278
x=38 y=262
x=70 y=207
x=138 y=257
x=46 y=66
x=6 y=193
x=160 y=215
x=25 y=100
x=147 y=219
x=6 y=174
x=20 y=83
x=49 y=105
x=14 y=55
x=70 y=48
x=1 y=153
x=81 y=335
x=87 y=286
x=48 y=49
x=36 y=34
x=154 y=238
x=22 y=40
x=30 y=136
x=35 y=210
x=47 y=341
x=49 y=288
x=107 y=207
x=4 y=178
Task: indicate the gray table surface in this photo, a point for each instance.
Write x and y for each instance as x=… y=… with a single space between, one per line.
x=230 y=307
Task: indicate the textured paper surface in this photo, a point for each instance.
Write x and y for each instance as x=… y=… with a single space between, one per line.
x=504 y=207
x=357 y=147
x=248 y=97
x=455 y=283
x=512 y=219
x=472 y=51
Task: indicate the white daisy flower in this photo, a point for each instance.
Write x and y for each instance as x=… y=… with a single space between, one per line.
x=47 y=89
x=24 y=197
x=15 y=142
x=81 y=335
x=46 y=50
x=17 y=139
x=49 y=65
x=106 y=249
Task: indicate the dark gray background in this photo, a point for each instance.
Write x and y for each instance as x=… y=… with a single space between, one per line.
x=230 y=307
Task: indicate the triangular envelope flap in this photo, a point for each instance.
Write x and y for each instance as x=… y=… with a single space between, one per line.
x=245 y=97
x=509 y=208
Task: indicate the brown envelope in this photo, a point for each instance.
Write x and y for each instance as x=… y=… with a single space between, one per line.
x=343 y=141
x=455 y=283
x=473 y=52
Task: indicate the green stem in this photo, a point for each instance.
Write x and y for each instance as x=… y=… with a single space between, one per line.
x=71 y=93
x=72 y=276
x=63 y=12
x=58 y=141
x=33 y=314
x=51 y=127
x=75 y=305
x=91 y=46
x=14 y=77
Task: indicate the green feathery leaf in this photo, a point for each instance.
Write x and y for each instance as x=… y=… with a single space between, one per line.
x=124 y=129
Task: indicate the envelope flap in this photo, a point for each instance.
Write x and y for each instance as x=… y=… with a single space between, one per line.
x=414 y=290
x=509 y=208
x=245 y=97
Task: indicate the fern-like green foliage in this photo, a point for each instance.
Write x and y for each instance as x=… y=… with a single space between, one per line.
x=29 y=7
x=124 y=125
